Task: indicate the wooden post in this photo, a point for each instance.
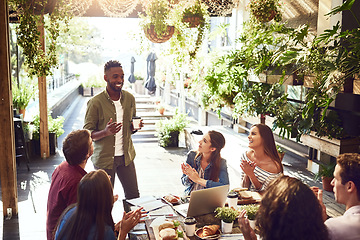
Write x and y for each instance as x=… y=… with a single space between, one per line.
x=44 y=131
x=7 y=149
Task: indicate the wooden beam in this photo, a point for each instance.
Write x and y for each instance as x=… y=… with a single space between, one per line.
x=7 y=149
x=44 y=131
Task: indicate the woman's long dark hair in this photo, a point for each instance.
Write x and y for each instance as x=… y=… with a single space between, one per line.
x=269 y=144
x=93 y=208
x=290 y=210
x=217 y=141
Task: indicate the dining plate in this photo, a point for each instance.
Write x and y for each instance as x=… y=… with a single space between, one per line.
x=199 y=232
x=172 y=199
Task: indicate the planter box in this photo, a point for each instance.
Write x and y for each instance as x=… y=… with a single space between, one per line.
x=274 y=78
x=52 y=144
x=90 y=91
x=332 y=147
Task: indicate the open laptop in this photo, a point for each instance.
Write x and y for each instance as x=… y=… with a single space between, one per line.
x=203 y=201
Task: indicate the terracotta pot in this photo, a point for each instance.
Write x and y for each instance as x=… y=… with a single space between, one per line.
x=281 y=156
x=327 y=183
x=161 y=110
x=22 y=111
x=155 y=38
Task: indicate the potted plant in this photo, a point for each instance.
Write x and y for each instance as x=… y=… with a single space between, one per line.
x=326 y=173
x=168 y=130
x=227 y=216
x=55 y=127
x=92 y=86
x=251 y=210
x=194 y=14
x=280 y=151
x=156 y=23
x=265 y=10
x=22 y=95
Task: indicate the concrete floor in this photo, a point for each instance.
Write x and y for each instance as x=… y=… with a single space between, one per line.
x=158 y=171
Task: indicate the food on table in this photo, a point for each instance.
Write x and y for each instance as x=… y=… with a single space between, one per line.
x=170 y=230
x=238 y=190
x=168 y=234
x=209 y=230
x=172 y=199
x=166 y=224
x=245 y=194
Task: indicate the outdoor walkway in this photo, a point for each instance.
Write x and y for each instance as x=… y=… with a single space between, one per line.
x=158 y=171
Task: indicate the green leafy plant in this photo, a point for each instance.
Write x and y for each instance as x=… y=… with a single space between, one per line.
x=165 y=128
x=157 y=15
x=54 y=125
x=23 y=93
x=280 y=149
x=251 y=210
x=265 y=10
x=325 y=170
x=95 y=81
x=39 y=62
x=226 y=214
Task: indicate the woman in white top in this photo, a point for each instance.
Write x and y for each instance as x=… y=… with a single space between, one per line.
x=261 y=162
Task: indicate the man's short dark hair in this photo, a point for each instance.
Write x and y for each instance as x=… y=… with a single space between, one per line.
x=76 y=146
x=111 y=64
x=350 y=169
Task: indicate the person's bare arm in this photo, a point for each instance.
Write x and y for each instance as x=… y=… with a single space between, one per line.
x=110 y=129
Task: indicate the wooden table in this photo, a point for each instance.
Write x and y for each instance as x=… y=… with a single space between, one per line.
x=144 y=231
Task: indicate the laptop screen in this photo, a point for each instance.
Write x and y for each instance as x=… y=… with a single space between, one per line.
x=204 y=201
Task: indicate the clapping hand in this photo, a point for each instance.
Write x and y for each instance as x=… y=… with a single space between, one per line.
x=190 y=172
x=128 y=222
x=247 y=166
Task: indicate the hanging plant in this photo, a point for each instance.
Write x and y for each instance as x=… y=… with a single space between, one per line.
x=156 y=23
x=221 y=7
x=265 y=10
x=34 y=13
x=194 y=14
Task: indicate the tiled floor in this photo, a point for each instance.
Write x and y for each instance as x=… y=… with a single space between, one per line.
x=158 y=172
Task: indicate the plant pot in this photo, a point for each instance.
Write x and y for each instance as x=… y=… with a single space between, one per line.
x=52 y=144
x=161 y=110
x=262 y=18
x=22 y=111
x=281 y=156
x=226 y=227
x=174 y=139
x=155 y=38
x=252 y=224
x=326 y=181
x=193 y=20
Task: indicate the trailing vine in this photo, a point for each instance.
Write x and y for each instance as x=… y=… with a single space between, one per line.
x=39 y=62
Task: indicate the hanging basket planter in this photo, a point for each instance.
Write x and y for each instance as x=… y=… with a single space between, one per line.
x=40 y=7
x=157 y=38
x=194 y=20
x=265 y=17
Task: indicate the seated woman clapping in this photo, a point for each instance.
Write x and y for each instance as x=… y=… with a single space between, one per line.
x=261 y=162
x=90 y=217
x=205 y=168
x=288 y=210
